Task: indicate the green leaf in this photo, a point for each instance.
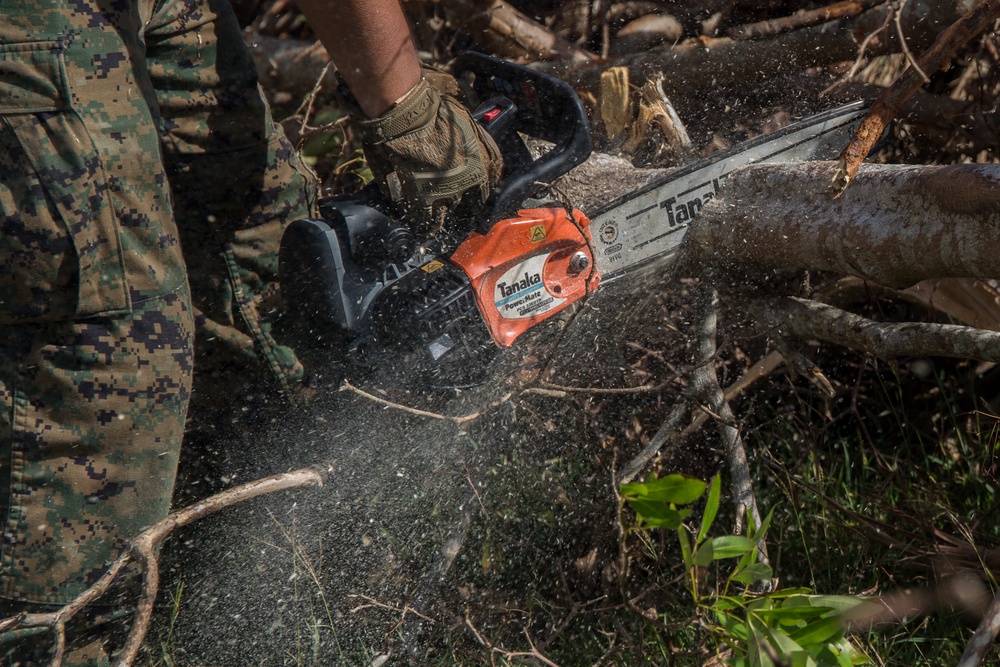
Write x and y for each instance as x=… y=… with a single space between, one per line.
x=685 y=543
x=838 y=603
x=757 y=532
x=731 y=546
x=654 y=514
x=757 y=654
x=734 y=627
x=676 y=489
x=819 y=630
x=633 y=490
x=711 y=508
x=704 y=555
x=785 y=615
x=784 y=644
x=753 y=573
x=725 y=603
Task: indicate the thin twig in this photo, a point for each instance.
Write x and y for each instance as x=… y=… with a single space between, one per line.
x=865 y=43
x=904 y=46
x=372 y=602
x=641 y=389
x=347 y=386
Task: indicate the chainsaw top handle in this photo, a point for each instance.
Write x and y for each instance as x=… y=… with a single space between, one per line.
x=515 y=100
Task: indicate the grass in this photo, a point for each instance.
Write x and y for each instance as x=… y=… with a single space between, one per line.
x=860 y=495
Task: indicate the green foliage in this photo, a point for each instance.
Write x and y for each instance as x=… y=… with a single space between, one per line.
x=786 y=626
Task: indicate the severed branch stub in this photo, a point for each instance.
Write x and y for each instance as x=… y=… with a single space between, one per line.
x=887 y=106
x=142 y=550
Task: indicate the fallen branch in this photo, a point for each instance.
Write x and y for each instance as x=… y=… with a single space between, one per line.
x=142 y=550
x=670 y=431
x=887 y=106
x=765 y=66
x=803 y=19
x=705 y=387
x=897 y=226
x=502 y=29
x=801 y=318
x=982 y=640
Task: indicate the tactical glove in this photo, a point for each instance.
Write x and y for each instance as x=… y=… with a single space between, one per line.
x=430 y=158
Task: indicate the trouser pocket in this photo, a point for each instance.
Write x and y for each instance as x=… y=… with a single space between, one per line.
x=60 y=250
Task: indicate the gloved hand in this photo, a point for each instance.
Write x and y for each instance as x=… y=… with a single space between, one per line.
x=430 y=158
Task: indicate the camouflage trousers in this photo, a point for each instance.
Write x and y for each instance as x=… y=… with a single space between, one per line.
x=143 y=190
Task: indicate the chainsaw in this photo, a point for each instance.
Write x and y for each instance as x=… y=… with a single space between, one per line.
x=356 y=275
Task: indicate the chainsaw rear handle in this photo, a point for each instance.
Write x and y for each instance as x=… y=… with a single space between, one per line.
x=543 y=107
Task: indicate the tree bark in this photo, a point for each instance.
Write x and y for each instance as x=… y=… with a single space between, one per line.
x=505 y=31
x=726 y=64
x=804 y=319
x=897 y=225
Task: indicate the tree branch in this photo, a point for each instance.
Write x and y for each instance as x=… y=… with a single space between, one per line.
x=982 y=640
x=896 y=226
x=802 y=318
x=887 y=106
x=705 y=387
x=803 y=19
x=142 y=550
x=504 y=30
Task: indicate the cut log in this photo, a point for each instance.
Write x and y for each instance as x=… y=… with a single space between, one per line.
x=896 y=226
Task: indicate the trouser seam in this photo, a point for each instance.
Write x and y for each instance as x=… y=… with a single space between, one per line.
x=18 y=423
x=244 y=304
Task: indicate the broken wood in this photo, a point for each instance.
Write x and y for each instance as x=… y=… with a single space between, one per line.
x=503 y=30
x=887 y=106
x=761 y=67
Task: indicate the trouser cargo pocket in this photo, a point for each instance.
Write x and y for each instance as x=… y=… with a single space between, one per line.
x=60 y=252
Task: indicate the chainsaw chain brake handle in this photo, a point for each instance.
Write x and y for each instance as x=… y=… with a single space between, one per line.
x=544 y=108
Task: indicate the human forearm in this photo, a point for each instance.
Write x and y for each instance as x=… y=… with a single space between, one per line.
x=369 y=41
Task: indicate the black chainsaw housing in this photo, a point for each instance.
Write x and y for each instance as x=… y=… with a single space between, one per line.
x=357 y=274
x=423 y=308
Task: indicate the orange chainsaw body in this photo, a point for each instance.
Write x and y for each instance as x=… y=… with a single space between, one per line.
x=528 y=268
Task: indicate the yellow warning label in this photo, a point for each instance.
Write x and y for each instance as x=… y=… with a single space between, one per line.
x=432 y=266
x=537 y=233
